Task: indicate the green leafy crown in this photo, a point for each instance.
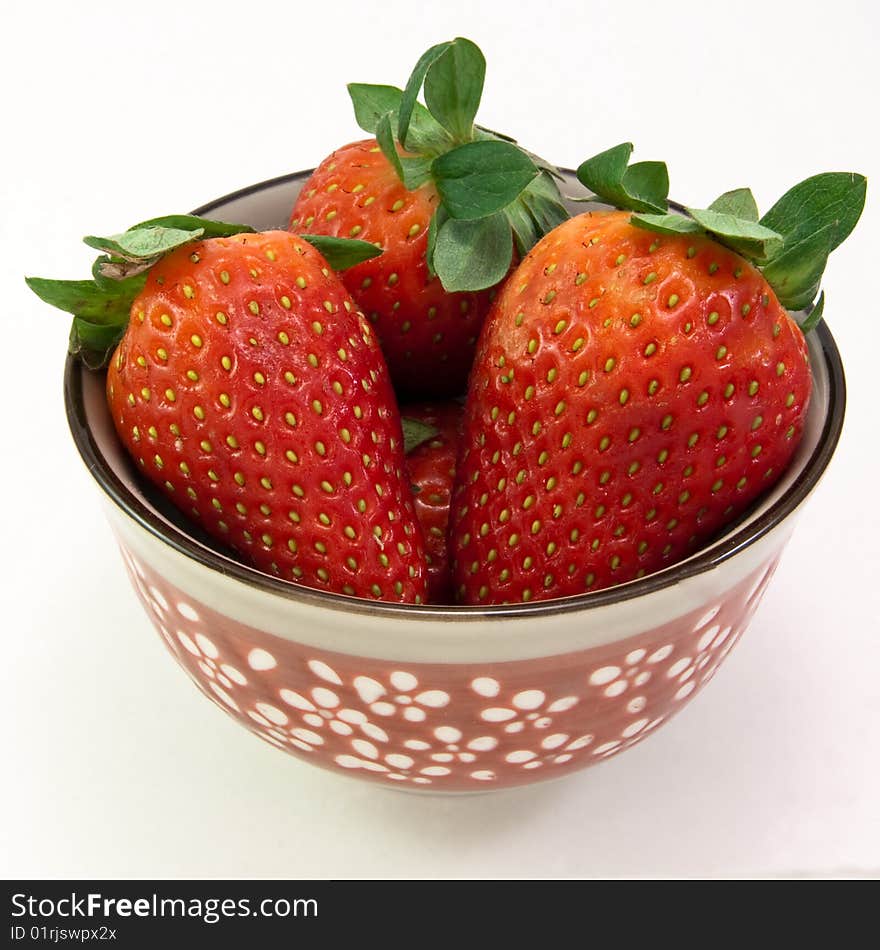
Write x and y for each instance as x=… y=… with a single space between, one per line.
x=101 y=306
x=790 y=244
x=494 y=195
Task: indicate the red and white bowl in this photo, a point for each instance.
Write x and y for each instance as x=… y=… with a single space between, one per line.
x=443 y=699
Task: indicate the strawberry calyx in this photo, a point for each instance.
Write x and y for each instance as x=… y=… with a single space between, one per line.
x=415 y=433
x=495 y=197
x=790 y=244
x=101 y=307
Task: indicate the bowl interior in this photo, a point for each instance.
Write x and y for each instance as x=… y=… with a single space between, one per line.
x=267 y=205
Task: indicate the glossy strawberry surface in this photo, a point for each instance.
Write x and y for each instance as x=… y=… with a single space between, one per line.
x=428 y=336
x=632 y=394
x=431 y=468
x=250 y=388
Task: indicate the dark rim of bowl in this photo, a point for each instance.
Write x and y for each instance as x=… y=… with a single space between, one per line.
x=739 y=539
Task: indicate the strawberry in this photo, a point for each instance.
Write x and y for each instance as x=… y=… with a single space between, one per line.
x=427 y=334
x=445 y=199
x=251 y=390
x=430 y=465
x=637 y=386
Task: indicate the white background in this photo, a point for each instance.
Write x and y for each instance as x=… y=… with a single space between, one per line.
x=112 y=764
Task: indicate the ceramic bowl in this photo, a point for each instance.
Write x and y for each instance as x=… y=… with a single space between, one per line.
x=443 y=699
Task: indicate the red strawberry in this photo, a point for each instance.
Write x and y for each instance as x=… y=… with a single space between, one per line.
x=249 y=387
x=638 y=383
x=431 y=468
x=427 y=335
x=449 y=202
x=632 y=394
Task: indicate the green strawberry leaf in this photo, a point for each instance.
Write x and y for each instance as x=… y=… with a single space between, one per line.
x=813 y=217
x=796 y=272
x=438 y=219
x=416 y=171
x=815 y=315
x=525 y=231
x=752 y=240
x=101 y=307
x=544 y=203
x=372 y=101
x=671 y=223
x=473 y=254
x=410 y=94
x=153 y=238
x=342 y=253
x=191 y=222
x=478 y=173
x=107 y=305
x=143 y=244
x=385 y=138
x=741 y=234
x=740 y=203
x=413 y=172
x=100 y=311
x=425 y=135
x=480 y=178
x=648 y=182
x=93 y=343
x=454 y=87
x=833 y=198
x=415 y=432
x=640 y=187
x=790 y=244
x=536 y=211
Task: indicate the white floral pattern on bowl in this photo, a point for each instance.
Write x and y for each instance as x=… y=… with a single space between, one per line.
x=455 y=726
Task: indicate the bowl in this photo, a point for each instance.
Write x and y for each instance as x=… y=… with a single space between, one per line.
x=443 y=699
